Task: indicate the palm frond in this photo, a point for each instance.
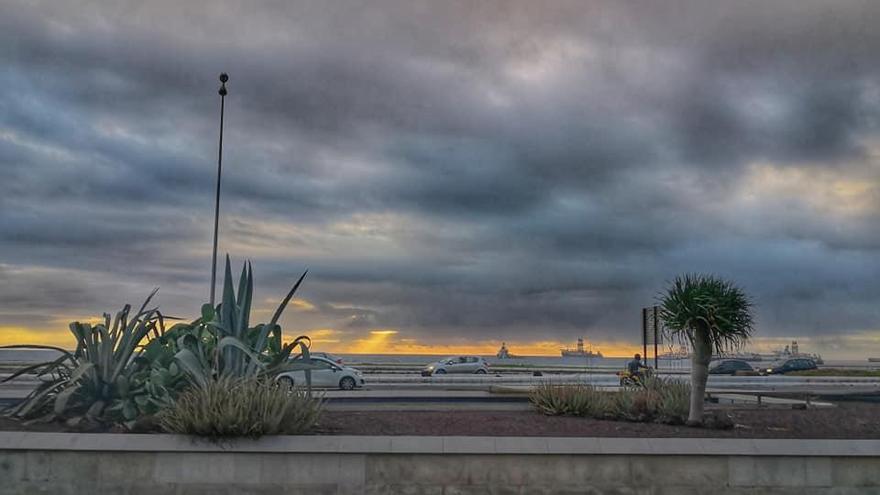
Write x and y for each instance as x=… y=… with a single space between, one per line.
x=705 y=303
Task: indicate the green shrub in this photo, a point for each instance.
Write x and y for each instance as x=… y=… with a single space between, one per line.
x=571 y=400
x=240 y=407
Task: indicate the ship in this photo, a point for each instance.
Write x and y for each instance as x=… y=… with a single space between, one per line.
x=503 y=353
x=790 y=351
x=753 y=357
x=675 y=355
x=793 y=351
x=874 y=360
x=579 y=351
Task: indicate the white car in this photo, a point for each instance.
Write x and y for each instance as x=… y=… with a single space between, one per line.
x=327 y=374
x=457 y=364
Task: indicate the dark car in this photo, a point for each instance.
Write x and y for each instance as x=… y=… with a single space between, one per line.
x=788 y=365
x=731 y=367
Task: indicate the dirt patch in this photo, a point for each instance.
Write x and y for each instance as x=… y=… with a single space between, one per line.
x=848 y=420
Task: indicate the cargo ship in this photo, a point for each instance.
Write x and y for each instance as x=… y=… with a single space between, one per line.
x=579 y=351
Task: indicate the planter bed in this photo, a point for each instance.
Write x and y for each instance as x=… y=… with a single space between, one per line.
x=847 y=420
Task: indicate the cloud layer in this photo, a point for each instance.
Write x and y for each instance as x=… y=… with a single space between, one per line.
x=456 y=171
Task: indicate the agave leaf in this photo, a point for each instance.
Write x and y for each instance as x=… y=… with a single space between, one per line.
x=146 y=301
x=245 y=298
x=106 y=351
x=134 y=334
x=227 y=309
x=38 y=397
x=227 y=342
x=227 y=319
x=259 y=345
x=187 y=340
x=192 y=366
x=158 y=328
x=76 y=330
x=95 y=409
x=281 y=357
x=63 y=397
x=49 y=365
x=207 y=313
x=283 y=305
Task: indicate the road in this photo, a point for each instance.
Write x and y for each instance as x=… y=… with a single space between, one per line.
x=510 y=390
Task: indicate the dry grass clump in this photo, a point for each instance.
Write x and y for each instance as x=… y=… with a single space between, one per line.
x=657 y=399
x=570 y=400
x=240 y=407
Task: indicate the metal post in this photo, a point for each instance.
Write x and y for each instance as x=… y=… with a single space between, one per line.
x=645 y=334
x=222 y=92
x=656 y=335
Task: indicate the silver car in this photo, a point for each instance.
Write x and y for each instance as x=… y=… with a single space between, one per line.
x=327 y=374
x=457 y=364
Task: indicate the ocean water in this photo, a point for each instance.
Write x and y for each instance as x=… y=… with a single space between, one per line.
x=27 y=355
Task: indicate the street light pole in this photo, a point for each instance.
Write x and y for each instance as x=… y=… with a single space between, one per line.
x=222 y=92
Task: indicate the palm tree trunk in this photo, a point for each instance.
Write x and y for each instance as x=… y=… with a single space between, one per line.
x=700 y=359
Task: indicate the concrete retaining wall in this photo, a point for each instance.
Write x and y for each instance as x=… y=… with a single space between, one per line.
x=159 y=464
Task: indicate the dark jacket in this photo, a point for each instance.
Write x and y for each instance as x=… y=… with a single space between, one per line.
x=634 y=366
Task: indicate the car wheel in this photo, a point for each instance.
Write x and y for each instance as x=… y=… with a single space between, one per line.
x=440 y=372
x=347 y=383
x=286 y=382
x=480 y=371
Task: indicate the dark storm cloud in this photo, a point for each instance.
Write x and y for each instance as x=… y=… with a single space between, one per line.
x=453 y=170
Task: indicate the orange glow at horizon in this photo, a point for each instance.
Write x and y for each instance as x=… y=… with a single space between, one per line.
x=21 y=336
x=391 y=341
x=388 y=341
x=374 y=341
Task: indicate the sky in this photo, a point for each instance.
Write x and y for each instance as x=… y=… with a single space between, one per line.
x=452 y=174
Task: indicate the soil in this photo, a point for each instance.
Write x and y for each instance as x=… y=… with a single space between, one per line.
x=847 y=420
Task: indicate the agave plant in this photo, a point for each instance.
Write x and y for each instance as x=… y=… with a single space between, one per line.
x=102 y=377
x=222 y=344
x=711 y=315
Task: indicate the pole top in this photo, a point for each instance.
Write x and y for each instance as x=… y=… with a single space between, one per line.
x=223 y=78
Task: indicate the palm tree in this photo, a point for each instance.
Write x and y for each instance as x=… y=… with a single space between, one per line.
x=713 y=315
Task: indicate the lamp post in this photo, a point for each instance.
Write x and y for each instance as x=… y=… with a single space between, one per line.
x=222 y=92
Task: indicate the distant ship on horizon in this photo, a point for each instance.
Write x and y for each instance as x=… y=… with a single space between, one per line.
x=579 y=351
x=503 y=353
x=674 y=355
x=790 y=351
